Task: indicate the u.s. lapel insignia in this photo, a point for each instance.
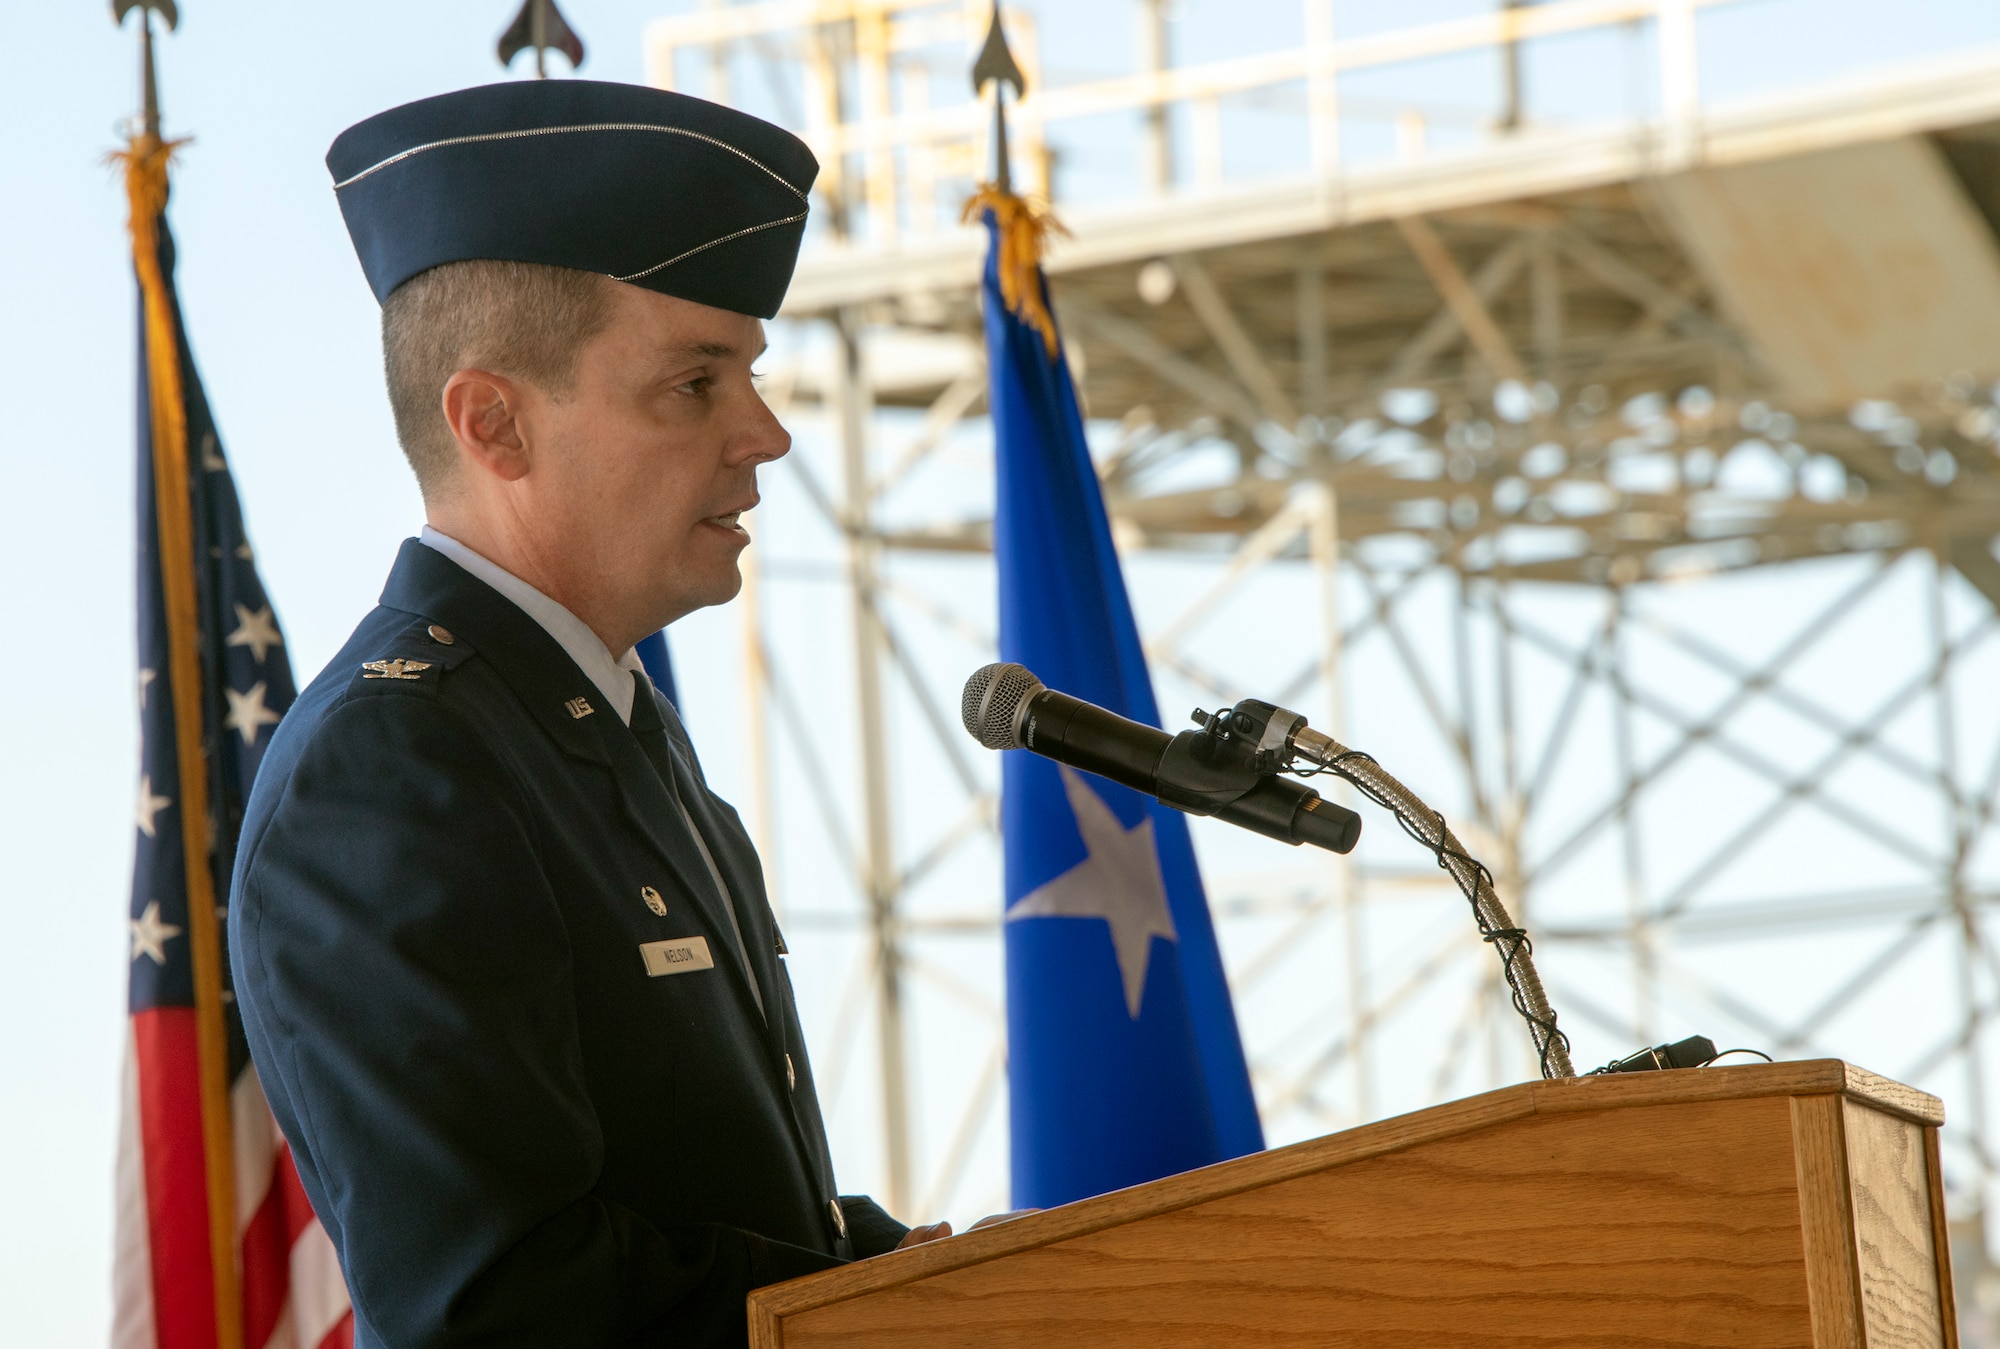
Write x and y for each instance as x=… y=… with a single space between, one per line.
x=578 y=708
x=393 y=669
x=653 y=900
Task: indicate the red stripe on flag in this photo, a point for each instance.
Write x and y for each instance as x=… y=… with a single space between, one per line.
x=176 y=1180
x=298 y=1209
x=267 y=1262
x=342 y=1335
x=267 y=1249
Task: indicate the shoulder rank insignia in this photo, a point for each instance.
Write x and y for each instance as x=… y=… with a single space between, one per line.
x=393 y=669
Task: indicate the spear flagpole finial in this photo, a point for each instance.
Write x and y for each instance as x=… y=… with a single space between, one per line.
x=149 y=89
x=996 y=66
x=540 y=25
x=1020 y=227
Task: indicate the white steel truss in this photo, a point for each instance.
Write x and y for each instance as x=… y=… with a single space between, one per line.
x=1474 y=462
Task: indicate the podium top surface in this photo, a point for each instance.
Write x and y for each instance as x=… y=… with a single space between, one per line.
x=1816 y=1077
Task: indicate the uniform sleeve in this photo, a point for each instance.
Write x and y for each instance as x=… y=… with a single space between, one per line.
x=405 y=977
x=869 y=1226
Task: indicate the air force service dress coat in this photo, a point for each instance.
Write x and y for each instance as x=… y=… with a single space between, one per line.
x=499 y=1007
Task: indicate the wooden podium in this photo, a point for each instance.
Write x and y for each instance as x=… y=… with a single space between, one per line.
x=1794 y=1204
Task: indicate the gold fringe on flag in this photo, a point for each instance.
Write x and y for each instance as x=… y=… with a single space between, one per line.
x=1022 y=237
x=145 y=161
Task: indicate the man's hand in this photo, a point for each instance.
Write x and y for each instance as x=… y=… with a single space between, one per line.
x=1009 y=1216
x=917 y=1236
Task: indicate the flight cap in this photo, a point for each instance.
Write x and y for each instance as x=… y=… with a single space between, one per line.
x=673 y=193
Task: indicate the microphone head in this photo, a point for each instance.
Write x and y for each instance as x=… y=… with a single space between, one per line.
x=994 y=699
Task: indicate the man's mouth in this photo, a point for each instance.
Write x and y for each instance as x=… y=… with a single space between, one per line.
x=727 y=520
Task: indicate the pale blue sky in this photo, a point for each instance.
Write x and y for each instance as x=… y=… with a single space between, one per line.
x=284 y=332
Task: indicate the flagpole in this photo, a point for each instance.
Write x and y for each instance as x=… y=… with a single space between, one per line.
x=146 y=185
x=538 y=24
x=1021 y=227
x=996 y=65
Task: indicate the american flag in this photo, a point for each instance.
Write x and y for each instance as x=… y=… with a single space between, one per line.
x=197 y=1138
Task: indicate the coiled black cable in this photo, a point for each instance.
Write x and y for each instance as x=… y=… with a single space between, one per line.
x=1470 y=875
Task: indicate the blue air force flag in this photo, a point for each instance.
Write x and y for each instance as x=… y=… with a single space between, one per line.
x=659 y=663
x=1124 y=1061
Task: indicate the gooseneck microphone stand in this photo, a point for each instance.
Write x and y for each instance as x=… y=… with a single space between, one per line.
x=1230 y=769
x=1428 y=827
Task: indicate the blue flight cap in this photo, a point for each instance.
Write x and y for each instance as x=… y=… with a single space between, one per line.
x=672 y=193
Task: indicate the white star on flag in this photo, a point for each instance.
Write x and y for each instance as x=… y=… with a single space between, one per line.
x=257 y=631
x=247 y=712
x=150 y=805
x=1118 y=881
x=149 y=934
x=146 y=678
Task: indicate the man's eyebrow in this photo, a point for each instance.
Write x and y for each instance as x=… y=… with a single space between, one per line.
x=715 y=351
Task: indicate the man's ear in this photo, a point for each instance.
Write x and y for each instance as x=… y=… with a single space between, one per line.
x=483 y=410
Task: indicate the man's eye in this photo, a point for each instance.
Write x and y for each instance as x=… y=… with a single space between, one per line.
x=698 y=387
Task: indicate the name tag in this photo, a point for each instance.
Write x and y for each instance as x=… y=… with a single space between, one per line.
x=678 y=956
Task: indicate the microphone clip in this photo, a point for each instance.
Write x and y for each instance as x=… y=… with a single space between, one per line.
x=1205 y=770
x=1231 y=766
x=1255 y=734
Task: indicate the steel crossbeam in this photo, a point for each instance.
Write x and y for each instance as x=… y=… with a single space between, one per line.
x=1481 y=453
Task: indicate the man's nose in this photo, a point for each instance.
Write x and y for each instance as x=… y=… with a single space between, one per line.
x=765 y=438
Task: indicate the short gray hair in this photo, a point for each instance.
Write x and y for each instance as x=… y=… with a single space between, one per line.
x=524 y=320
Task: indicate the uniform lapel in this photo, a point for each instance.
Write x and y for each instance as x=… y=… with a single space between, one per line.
x=653 y=811
x=737 y=860
x=561 y=697
x=736 y=857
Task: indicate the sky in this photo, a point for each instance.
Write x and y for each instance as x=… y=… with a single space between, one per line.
x=284 y=331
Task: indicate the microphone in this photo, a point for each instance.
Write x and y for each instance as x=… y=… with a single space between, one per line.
x=1201 y=772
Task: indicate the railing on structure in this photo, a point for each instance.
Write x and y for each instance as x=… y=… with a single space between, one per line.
x=888 y=147
x=864 y=77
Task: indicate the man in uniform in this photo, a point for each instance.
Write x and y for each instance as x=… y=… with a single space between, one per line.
x=505 y=963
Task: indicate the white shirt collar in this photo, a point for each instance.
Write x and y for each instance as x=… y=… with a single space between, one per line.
x=610 y=673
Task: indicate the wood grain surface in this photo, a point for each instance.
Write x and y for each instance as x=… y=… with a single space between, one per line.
x=1672 y=1225
x=1819 y=1143
x=1640 y=1210
x=1892 y=1097
x=1892 y=1230
x=1941 y=1239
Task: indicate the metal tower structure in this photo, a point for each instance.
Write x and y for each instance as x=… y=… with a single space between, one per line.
x=1627 y=481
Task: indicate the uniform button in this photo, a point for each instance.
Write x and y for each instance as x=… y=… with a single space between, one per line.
x=791 y=1077
x=442 y=636
x=839 y=1218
